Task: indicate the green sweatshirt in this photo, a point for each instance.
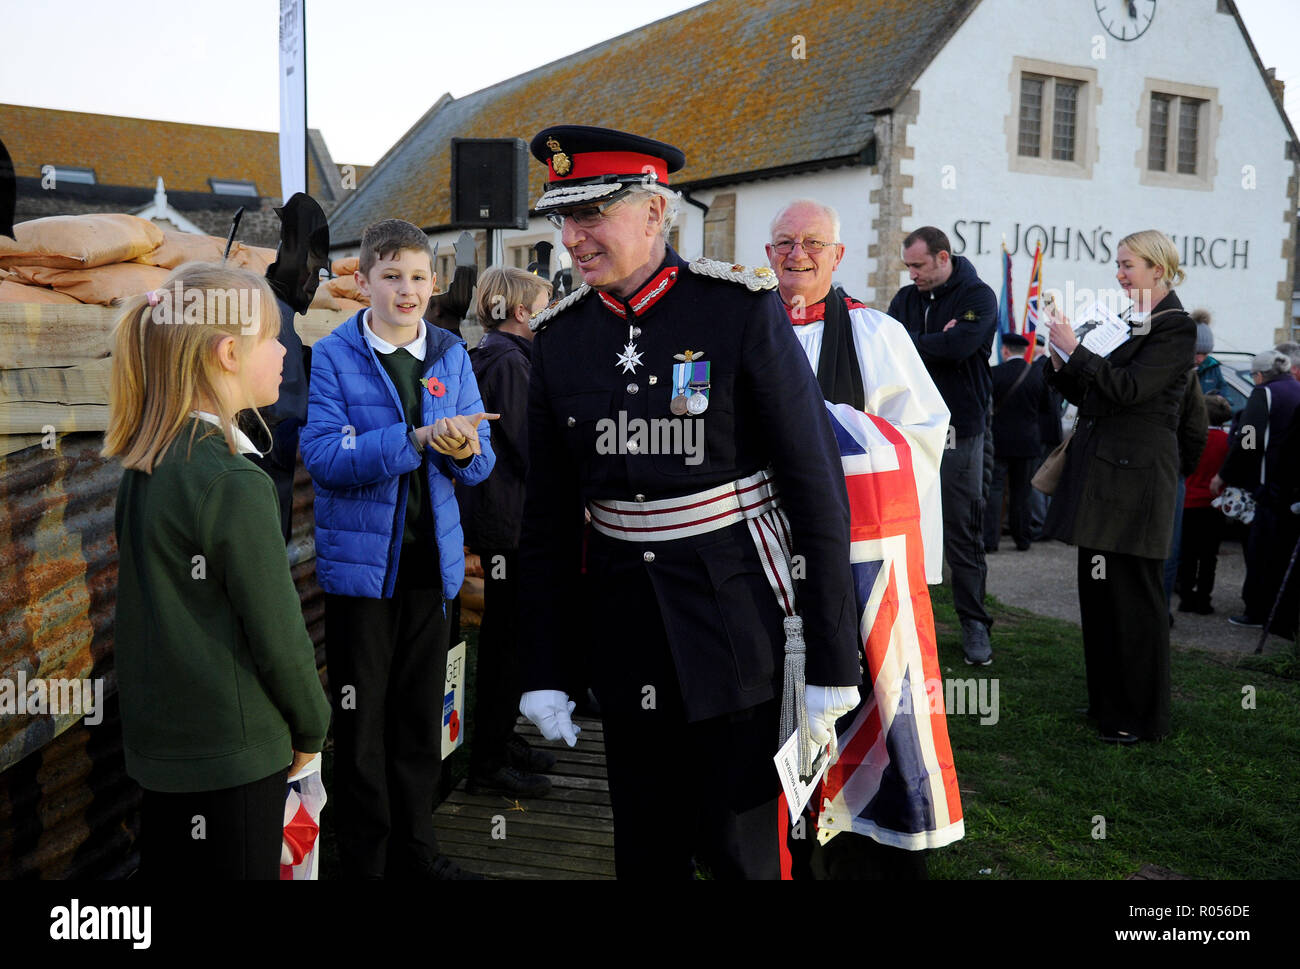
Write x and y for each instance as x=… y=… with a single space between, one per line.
x=216 y=673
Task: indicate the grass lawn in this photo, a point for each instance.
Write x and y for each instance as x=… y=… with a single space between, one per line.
x=1215 y=800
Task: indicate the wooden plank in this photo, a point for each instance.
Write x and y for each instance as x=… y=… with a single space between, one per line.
x=468 y=854
x=83 y=384
x=598 y=808
x=549 y=818
x=580 y=783
x=33 y=418
x=577 y=830
x=17 y=442
x=53 y=335
x=569 y=842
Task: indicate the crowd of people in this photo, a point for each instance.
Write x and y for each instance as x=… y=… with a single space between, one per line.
x=715 y=600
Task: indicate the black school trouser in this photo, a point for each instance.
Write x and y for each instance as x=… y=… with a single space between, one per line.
x=229 y=834
x=387 y=670
x=497 y=682
x=682 y=792
x=1125 y=623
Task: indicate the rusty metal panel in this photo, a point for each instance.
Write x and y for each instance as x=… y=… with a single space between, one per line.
x=67 y=808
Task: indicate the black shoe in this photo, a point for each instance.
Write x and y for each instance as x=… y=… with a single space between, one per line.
x=1245 y=621
x=1187 y=605
x=990 y=549
x=1120 y=737
x=510 y=780
x=441 y=869
x=1022 y=546
x=525 y=757
x=1203 y=607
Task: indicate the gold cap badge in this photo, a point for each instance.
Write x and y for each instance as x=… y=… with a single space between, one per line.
x=560 y=163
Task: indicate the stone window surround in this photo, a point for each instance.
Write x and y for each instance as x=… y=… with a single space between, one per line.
x=1207 y=164
x=1085 y=130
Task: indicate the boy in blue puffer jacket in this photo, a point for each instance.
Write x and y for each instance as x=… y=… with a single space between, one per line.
x=393 y=416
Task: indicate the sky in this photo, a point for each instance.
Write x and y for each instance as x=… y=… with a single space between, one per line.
x=369 y=80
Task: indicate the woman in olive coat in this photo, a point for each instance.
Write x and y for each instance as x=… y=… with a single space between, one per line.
x=1115 y=499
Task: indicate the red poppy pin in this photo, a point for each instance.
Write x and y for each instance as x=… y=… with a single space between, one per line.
x=434 y=386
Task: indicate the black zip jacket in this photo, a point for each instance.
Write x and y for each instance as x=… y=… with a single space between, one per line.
x=958 y=358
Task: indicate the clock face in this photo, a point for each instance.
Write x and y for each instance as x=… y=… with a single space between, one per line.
x=1126 y=19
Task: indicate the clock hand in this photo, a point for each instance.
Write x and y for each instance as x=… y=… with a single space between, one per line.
x=1132 y=9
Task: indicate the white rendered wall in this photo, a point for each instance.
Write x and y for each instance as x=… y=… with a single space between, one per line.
x=966 y=96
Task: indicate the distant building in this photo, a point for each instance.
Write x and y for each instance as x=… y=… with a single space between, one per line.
x=1043 y=121
x=70 y=162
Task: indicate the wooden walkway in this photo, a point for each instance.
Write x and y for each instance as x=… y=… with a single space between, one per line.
x=568 y=834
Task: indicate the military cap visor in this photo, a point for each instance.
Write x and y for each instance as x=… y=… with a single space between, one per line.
x=587 y=164
x=1014 y=341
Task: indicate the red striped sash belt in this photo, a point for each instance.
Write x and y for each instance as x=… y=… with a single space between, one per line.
x=753 y=500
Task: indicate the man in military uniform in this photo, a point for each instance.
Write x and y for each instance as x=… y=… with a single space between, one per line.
x=673 y=403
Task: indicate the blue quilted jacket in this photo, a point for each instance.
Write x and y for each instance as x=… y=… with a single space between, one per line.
x=356 y=448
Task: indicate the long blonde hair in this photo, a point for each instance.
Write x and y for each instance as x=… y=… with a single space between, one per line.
x=165 y=357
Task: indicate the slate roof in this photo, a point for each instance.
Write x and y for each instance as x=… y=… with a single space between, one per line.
x=717 y=80
x=135 y=151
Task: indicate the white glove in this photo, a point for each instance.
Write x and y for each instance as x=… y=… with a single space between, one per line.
x=549 y=710
x=826 y=704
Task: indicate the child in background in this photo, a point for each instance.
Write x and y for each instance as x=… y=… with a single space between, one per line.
x=216 y=673
x=500 y=759
x=393 y=418
x=1203 y=525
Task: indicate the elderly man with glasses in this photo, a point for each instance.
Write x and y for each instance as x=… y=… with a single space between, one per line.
x=671 y=401
x=894 y=784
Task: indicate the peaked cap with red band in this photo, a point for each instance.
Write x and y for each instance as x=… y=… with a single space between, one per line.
x=587 y=164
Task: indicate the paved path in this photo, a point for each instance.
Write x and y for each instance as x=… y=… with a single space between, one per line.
x=1044 y=580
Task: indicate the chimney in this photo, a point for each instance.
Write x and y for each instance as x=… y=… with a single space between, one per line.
x=1279 y=85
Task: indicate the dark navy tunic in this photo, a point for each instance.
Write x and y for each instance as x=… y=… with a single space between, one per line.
x=720 y=618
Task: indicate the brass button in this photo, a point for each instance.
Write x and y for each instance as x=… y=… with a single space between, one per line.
x=634 y=388
x=571 y=421
x=648 y=556
x=633 y=446
x=639 y=498
x=636 y=332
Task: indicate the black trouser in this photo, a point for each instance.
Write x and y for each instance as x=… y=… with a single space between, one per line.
x=683 y=792
x=961 y=476
x=1012 y=475
x=1199 y=557
x=229 y=834
x=1125 y=641
x=387 y=670
x=1269 y=547
x=497 y=681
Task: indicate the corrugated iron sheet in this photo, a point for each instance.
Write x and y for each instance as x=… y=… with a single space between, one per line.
x=67 y=808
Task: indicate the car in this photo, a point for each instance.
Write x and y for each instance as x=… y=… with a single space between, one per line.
x=1235 y=368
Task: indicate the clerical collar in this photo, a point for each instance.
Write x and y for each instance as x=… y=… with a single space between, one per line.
x=801 y=313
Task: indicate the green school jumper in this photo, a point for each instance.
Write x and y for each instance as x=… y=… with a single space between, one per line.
x=216 y=673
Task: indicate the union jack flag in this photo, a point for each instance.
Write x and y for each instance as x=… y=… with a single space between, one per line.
x=894 y=780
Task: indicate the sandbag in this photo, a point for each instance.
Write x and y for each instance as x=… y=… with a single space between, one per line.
x=254 y=258
x=345 y=287
x=323 y=300
x=179 y=248
x=350 y=306
x=346 y=266
x=79 y=241
x=102 y=285
x=12 y=292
